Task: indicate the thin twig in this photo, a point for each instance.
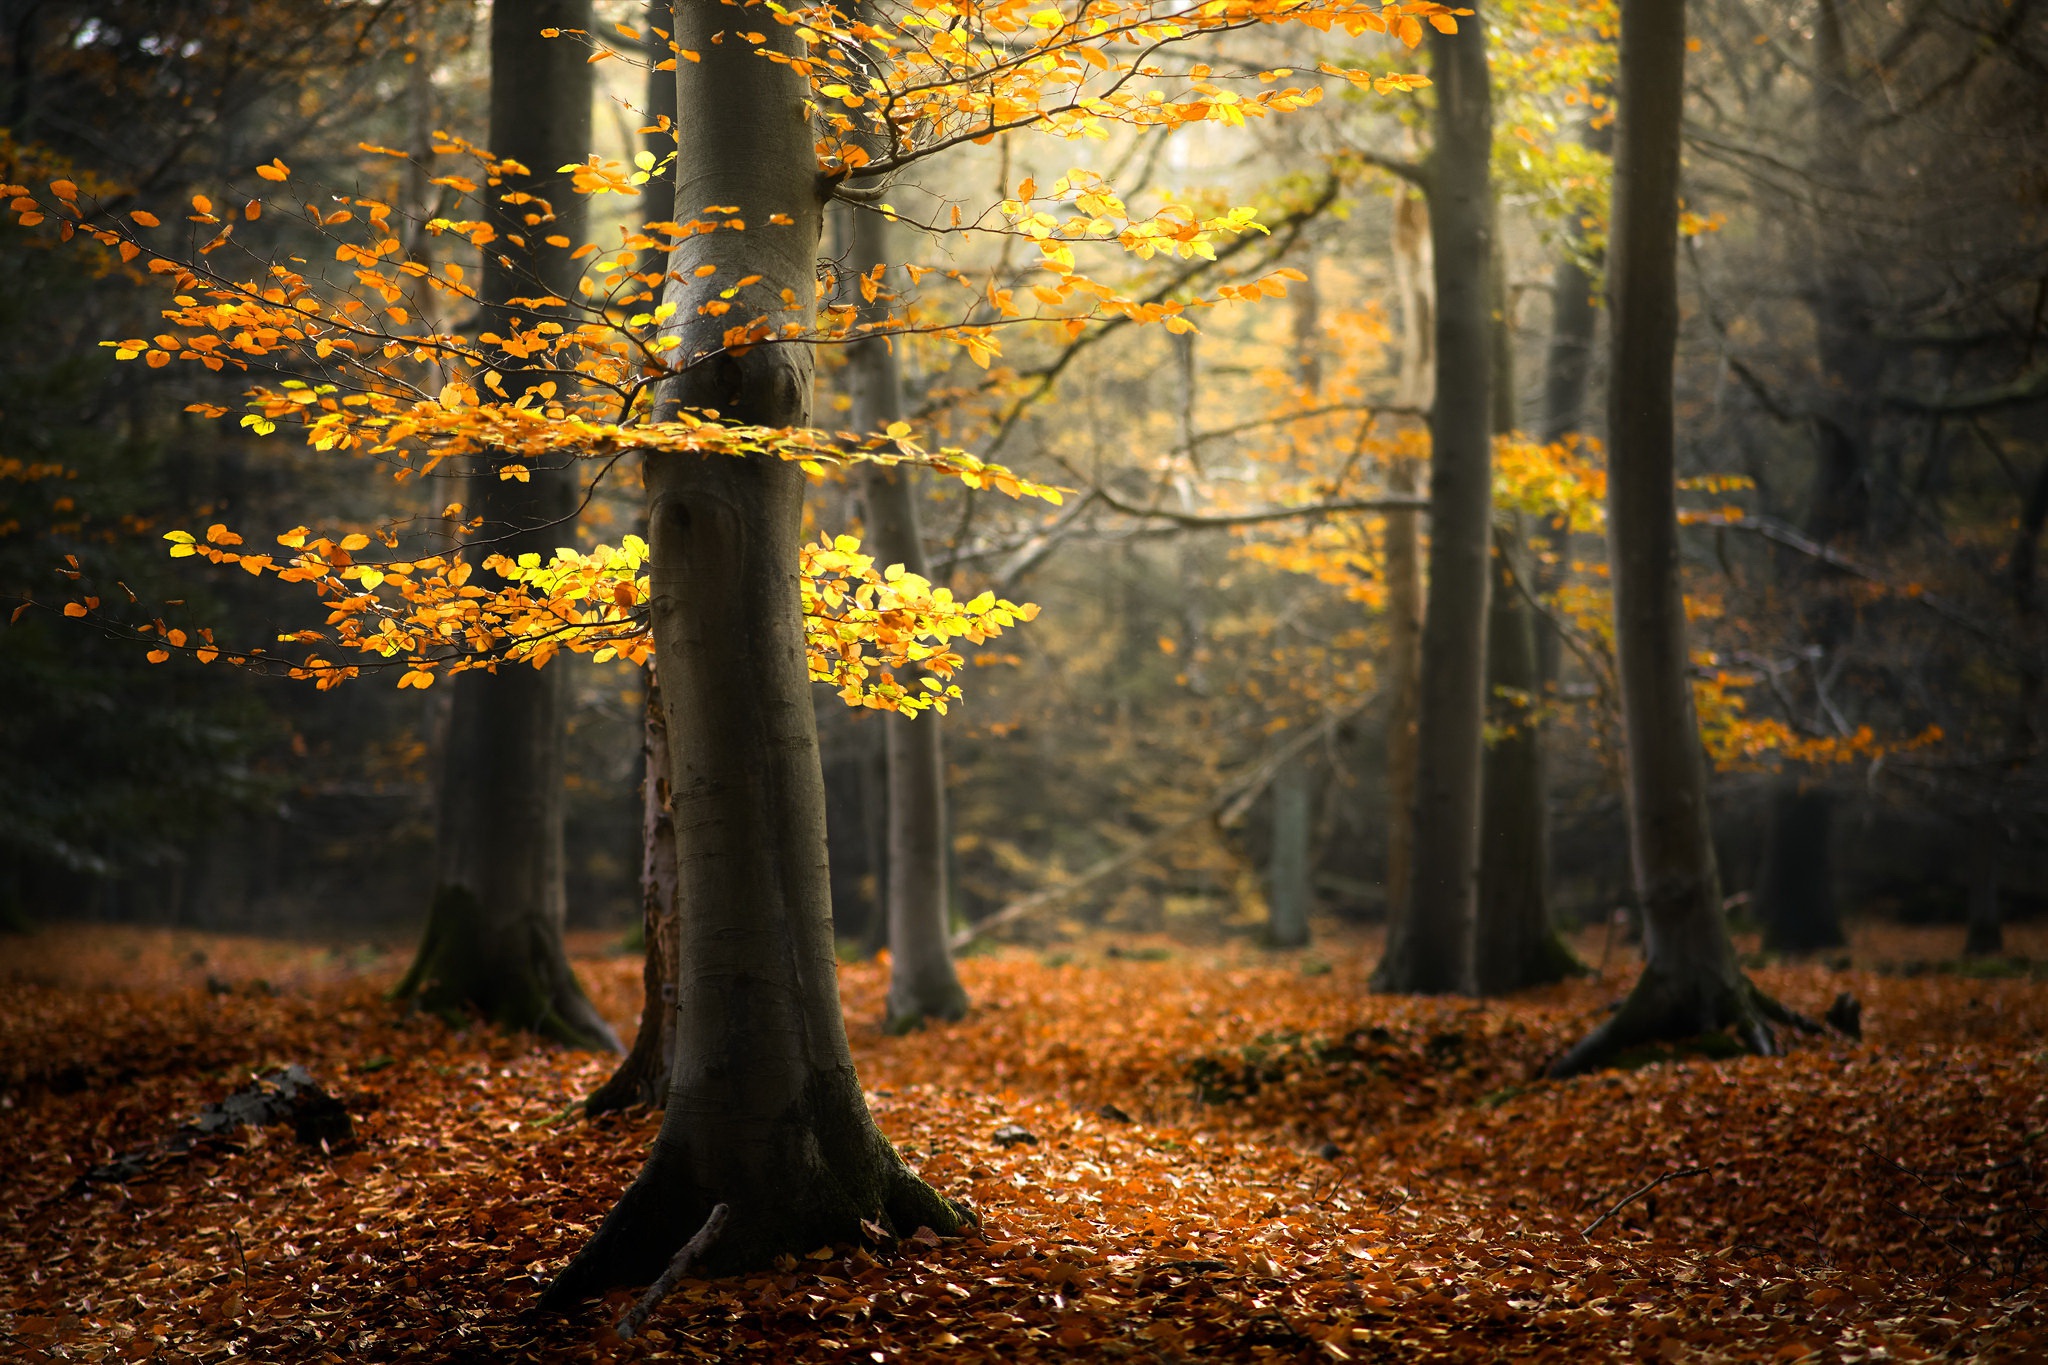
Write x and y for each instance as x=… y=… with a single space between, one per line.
x=677 y=1268
x=1594 y=1226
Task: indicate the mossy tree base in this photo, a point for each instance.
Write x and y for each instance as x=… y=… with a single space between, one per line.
x=821 y=1175
x=1666 y=1007
x=513 y=974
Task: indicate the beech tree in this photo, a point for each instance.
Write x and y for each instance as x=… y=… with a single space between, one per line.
x=493 y=938
x=711 y=384
x=922 y=981
x=1429 y=935
x=1691 y=983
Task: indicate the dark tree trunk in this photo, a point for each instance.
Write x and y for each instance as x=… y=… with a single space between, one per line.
x=643 y=1077
x=1287 y=889
x=1986 y=934
x=1795 y=895
x=765 y=1112
x=1414 y=386
x=922 y=981
x=493 y=941
x=1429 y=937
x=1691 y=983
x=1513 y=942
x=1567 y=372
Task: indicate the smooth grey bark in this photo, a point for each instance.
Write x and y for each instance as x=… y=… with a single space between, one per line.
x=493 y=940
x=1287 y=890
x=1415 y=387
x=1986 y=937
x=1691 y=983
x=922 y=981
x=1429 y=937
x=1514 y=943
x=765 y=1113
x=1795 y=894
x=642 y=1078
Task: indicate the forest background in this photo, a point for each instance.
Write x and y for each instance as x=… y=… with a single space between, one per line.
x=1317 y=295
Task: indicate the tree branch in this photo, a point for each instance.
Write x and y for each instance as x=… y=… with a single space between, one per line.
x=636 y=1316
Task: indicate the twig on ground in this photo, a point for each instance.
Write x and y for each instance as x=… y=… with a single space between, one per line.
x=677 y=1268
x=1587 y=1231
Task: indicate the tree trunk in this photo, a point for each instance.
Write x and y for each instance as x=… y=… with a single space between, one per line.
x=765 y=1112
x=1429 y=937
x=922 y=981
x=1691 y=983
x=493 y=941
x=1513 y=943
x=1986 y=936
x=1795 y=895
x=1416 y=385
x=1567 y=369
x=1287 y=890
x=643 y=1077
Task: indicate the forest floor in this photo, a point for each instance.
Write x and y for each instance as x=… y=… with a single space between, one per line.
x=1236 y=1155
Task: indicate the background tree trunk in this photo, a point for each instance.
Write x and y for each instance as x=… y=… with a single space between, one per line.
x=1986 y=935
x=1429 y=938
x=493 y=941
x=922 y=981
x=1287 y=888
x=765 y=1112
x=642 y=1078
x=1690 y=983
x=1414 y=271
x=1513 y=942
x=1795 y=895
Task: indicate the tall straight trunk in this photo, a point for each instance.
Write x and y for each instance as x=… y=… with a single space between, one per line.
x=1797 y=905
x=642 y=1078
x=922 y=981
x=1690 y=983
x=1513 y=943
x=493 y=941
x=1429 y=937
x=1795 y=895
x=1287 y=889
x=765 y=1113
x=1415 y=386
x=1567 y=370
x=1986 y=936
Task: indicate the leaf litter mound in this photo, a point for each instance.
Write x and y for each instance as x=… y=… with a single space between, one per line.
x=1218 y=1155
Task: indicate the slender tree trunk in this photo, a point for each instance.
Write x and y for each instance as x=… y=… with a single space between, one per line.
x=1514 y=943
x=922 y=981
x=642 y=1078
x=1429 y=938
x=1691 y=983
x=1287 y=890
x=1795 y=895
x=493 y=941
x=1415 y=387
x=765 y=1112
x=1567 y=369
x=1986 y=935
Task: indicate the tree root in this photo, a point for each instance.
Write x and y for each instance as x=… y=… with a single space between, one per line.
x=692 y=1250
x=1661 y=1009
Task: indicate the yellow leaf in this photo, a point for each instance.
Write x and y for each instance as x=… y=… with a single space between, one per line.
x=276 y=170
